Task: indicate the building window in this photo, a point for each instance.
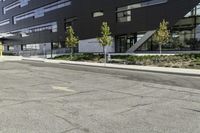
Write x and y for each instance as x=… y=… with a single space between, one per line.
x=124 y=16
x=23 y=3
x=97 y=14
x=124 y=13
x=142 y=4
x=4 y=22
x=40 y=12
x=31 y=47
x=56 y=45
x=53 y=27
x=10 y=48
x=15 y=4
x=124 y=42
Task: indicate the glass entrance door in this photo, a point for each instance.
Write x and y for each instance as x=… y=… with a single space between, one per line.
x=123 y=43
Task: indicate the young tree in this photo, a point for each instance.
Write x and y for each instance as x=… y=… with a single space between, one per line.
x=106 y=39
x=162 y=35
x=71 y=40
x=1 y=49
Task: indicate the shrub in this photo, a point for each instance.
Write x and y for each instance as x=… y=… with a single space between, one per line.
x=81 y=57
x=9 y=54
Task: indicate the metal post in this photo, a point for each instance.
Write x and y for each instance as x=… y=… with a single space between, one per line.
x=44 y=50
x=51 y=50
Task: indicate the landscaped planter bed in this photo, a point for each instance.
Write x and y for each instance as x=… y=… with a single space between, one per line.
x=175 y=61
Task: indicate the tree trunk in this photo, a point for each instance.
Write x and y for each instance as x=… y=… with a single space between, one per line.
x=72 y=52
x=160 y=47
x=105 y=54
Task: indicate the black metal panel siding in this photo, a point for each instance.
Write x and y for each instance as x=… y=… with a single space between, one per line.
x=143 y=19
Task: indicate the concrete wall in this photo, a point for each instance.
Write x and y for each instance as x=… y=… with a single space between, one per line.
x=92 y=46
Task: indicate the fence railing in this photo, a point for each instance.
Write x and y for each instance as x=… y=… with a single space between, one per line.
x=29 y=53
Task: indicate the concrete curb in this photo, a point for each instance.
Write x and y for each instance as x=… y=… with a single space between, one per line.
x=10 y=58
x=177 y=71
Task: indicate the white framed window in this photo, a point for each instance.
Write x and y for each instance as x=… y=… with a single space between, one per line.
x=97 y=14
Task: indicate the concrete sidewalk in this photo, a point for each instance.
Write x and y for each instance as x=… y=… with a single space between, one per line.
x=179 y=71
x=10 y=58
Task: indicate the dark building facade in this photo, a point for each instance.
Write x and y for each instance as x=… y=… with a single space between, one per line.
x=38 y=26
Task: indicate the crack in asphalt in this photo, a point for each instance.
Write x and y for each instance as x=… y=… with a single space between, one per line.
x=67 y=121
x=69 y=130
x=19 y=103
x=134 y=107
x=156 y=97
x=75 y=125
x=194 y=110
x=171 y=89
x=72 y=94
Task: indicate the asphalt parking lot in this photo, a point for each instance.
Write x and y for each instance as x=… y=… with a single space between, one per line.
x=56 y=98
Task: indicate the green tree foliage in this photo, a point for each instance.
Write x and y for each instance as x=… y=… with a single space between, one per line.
x=162 y=35
x=105 y=39
x=71 y=40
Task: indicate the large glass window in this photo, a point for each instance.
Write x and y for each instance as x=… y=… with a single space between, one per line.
x=31 y=47
x=40 y=12
x=124 y=42
x=17 y=3
x=124 y=13
x=4 y=22
x=10 y=48
x=43 y=27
